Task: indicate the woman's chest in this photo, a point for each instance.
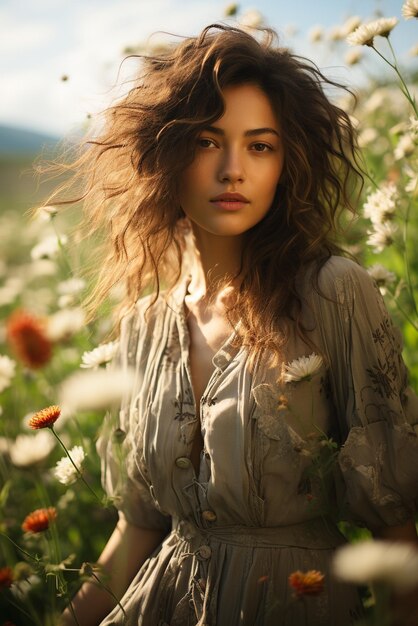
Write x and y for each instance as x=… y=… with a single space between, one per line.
x=206 y=338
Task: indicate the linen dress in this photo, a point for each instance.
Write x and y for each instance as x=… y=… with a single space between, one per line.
x=282 y=461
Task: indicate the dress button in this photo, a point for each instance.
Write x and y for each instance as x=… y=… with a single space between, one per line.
x=183 y=462
x=209 y=516
x=205 y=552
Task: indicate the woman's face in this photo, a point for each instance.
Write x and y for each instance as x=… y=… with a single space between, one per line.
x=230 y=185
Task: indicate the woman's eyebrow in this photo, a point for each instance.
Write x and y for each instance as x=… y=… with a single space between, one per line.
x=248 y=133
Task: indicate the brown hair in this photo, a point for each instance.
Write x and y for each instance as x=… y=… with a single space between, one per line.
x=131 y=171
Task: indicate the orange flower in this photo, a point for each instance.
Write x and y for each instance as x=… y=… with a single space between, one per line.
x=28 y=339
x=39 y=520
x=6 y=577
x=309 y=583
x=45 y=418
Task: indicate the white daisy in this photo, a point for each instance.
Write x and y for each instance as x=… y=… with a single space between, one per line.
x=10 y=290
x=7 y=371
x=395 y=564
x=413 y=125
x=365 y=34
x=46 y=213
x=413 y=52
x=382 y=276
x=316 y=34
x=65 y=471
x=382 y=236
x=367 y=135
x=64 y=324
x=302 y=369
x=352 y=57
x=405 y=147
x=26 y=450
x=410 y=9
x=100 y=355
x=412 y=184
x=251 y=19
x=48 y=248
x=335 y=33
x=350 y=25
x=94 y=390
x=381 y=204
x=72 y=286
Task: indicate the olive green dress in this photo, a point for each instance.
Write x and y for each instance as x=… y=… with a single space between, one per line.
x=281 y=460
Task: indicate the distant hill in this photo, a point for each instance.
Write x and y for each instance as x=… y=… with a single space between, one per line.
x=19 y=141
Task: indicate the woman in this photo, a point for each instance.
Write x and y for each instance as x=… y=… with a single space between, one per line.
x=270 y=398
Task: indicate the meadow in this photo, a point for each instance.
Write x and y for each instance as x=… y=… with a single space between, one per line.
x=54 y=515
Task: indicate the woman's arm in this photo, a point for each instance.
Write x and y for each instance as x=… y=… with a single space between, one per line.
x=127 y=549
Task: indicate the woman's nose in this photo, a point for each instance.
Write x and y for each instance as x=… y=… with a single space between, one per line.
x=231 y=167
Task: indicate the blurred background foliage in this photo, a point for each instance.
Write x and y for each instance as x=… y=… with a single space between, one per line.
x=36 y=280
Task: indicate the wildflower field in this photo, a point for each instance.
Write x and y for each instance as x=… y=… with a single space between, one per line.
x=54 y=382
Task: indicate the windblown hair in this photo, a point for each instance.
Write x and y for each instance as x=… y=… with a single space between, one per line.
x=131 y=174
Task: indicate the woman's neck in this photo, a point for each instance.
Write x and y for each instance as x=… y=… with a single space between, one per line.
x=215 y=260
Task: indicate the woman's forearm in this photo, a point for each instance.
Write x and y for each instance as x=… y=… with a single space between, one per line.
x=123 y=555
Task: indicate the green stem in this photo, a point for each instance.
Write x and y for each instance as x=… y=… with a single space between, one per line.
x=33 y=558
x=61 y=247
x=70 y=605
x=79 y=474
x=394 y=66
x=404 y=313
x=406 y=260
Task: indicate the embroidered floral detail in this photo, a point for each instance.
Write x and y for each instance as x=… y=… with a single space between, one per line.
x=208 y=401
x=383 y=376
x=325 y=387
x=184 y=405
x=172 y=351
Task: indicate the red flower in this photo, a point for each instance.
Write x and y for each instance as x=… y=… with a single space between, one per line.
x=45 y=418
x=28 y=339
x=309 y=583
x=39 y=520
x=6 y=577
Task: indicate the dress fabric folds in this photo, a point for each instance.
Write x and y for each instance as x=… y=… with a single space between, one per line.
x=282 y=461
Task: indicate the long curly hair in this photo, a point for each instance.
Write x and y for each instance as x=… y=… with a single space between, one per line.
x=130 y=175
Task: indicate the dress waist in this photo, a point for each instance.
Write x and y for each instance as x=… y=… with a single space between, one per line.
x=318 y=534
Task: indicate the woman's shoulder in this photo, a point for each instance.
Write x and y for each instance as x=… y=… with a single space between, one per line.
x=340 y=272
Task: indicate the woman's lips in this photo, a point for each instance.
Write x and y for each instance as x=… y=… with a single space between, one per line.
x=230 y=201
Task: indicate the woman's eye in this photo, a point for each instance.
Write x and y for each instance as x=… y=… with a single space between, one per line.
x=205 y=143
x=261 y=147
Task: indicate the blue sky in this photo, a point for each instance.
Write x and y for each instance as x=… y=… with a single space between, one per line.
x=42 y=40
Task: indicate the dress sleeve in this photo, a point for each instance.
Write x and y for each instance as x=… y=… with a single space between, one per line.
x=123 y=478
x=376 y=408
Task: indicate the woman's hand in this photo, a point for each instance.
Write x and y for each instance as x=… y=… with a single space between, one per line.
x=127 y=549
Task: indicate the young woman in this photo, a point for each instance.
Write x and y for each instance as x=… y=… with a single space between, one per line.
x=220 y=178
